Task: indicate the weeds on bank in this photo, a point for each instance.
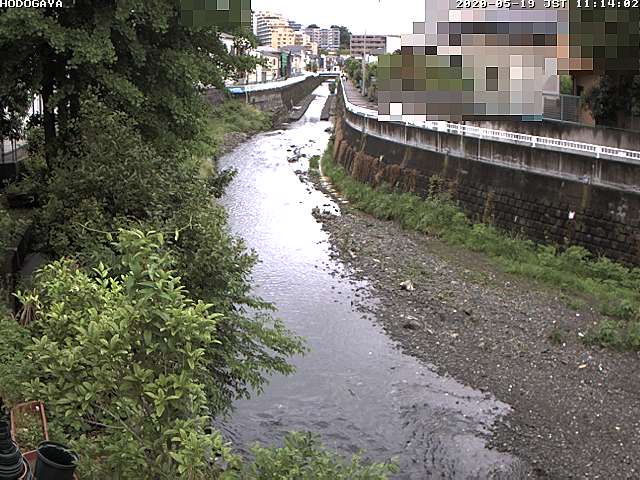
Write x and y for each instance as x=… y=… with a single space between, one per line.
x=314 y=163
x=237 y=116
x=615 y=287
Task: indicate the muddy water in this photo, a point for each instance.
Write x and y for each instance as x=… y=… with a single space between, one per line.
x=355 y=387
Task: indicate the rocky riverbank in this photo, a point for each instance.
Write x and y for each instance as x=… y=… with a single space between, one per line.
x=575 y=409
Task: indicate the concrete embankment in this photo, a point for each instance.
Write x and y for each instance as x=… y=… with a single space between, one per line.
x=280 y=98
x=548 y=195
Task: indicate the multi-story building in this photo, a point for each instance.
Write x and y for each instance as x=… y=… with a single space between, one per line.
x=326 y=38
x=371 y=43
x=266 y=23
x=304 y=40
x=281 y=36
x=295 y=26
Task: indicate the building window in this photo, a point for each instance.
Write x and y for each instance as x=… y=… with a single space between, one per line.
x=492 y=79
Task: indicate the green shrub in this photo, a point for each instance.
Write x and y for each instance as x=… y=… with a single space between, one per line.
x=122 y=362
x=14 y=366
x=11 y=227
x=302 y=457
x=314 y=163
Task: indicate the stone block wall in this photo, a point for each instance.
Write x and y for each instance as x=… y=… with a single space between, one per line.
x=545 y=208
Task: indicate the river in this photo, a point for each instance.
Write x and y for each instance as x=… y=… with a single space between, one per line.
x=355 y=387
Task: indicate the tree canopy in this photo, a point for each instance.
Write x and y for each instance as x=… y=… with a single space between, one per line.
x=345 y=36
x=135 y=55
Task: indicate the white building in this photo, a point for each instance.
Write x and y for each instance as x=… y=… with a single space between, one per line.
x=326 y=38
x=268 y=24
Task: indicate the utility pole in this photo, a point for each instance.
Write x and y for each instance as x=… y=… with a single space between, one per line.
x=364 y=61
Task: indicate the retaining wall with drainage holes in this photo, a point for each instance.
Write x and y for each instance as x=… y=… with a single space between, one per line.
x=549 y=196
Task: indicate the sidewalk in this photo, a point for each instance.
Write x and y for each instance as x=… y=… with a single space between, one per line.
x=355 y=97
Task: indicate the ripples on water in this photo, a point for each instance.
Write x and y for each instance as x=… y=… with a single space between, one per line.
x=355 y=387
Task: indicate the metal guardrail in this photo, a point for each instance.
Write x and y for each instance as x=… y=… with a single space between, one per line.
x=588 y=149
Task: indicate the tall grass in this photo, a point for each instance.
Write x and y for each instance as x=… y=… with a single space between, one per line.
x=614 y=287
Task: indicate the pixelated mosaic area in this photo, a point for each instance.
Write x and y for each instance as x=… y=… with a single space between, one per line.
x=474 y=63
x=216 y=13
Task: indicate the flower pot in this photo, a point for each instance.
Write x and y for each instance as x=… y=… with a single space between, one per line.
x=55 y=462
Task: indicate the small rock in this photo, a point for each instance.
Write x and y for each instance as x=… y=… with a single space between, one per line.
x=408 y=286
x=412 y=325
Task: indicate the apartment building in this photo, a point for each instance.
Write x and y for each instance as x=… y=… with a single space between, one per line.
x=269 y=25
x=295 y=26
x=371 y=43
x=326 y=38
x=304 y=40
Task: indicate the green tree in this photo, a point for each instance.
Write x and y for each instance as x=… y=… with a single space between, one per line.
x=345 y=36
x=605 y=100
x=106 y=185
x=135 y=55
x=353 y=68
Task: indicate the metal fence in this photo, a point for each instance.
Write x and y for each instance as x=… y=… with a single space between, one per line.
x=12 y=151
x=565 y=108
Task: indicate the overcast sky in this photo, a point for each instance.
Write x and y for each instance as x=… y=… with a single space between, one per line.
x=393 y=17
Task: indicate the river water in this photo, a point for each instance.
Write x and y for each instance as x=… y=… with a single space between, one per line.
x=355 y=388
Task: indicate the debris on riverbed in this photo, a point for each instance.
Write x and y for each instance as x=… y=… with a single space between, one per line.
x=408 y=286
x=296 y=155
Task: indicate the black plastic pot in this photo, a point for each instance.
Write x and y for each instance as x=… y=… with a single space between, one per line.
x=11 y=461
x=55 y=462
x=11 y=472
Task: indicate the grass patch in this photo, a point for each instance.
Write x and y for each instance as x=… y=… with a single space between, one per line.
x=314 y=163
x=614 y=287
x=237 y=116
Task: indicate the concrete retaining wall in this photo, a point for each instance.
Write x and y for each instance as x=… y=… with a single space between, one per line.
x=534 y=192
x=279 y=100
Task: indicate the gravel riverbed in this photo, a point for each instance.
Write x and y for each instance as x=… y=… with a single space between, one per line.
x=575 y=409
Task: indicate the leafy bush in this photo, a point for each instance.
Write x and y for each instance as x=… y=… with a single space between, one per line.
x=14 y=367
x=122 y=363
x=302 y=457
x=604 y=101
x=11 y=228
x=613 y=286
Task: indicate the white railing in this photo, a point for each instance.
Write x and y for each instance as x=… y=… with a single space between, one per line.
x=258 y=87
x=588 y=149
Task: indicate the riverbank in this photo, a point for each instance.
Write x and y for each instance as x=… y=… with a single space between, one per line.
x=575 y=408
